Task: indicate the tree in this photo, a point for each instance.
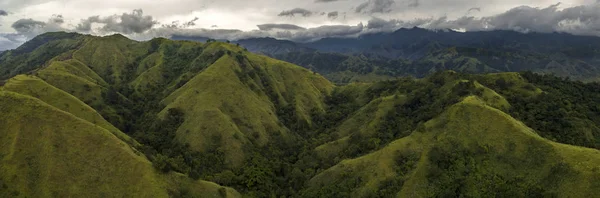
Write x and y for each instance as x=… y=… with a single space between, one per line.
x=161 y=163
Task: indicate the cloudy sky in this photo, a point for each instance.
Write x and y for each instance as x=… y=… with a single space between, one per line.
x=299 y=20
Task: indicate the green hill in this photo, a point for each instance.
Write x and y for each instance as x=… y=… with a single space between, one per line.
x=472 y=149
x=48 y=152
x=249 y=102
x=108 y=116
x=35 y=87
x=241 y=100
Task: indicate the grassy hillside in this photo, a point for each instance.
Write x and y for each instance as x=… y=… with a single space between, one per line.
x=241 y=100
x=150 y=91
x=462 y=152
x=170 y=117
x=35 y=87
x=48 y=152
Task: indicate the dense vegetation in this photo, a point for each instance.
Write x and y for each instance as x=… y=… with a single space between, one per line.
x=215 y=112
x=421 y=52
x=567 y=111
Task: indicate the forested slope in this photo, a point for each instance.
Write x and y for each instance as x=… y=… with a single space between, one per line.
x=170 y=116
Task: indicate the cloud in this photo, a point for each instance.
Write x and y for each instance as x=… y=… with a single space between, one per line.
x=378 y=23
x=329 y=1
x=280 y=31
x=327 y=31
x=414 y=3
x=224 y=34
x=57 y=19
x=23 y=26
x=478 y=9
x=175 y=24
x=126 y=23
x=86 y=24
x=29 y=28
x=3 y=13
x=579 y=20
x=295 y=11
x=375 y=6
x=11 y=41
x=381 y=25
x=267 y=27
x=333 y=15
x=191 y=23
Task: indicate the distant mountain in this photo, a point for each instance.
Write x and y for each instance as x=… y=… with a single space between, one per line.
x=189 y=38
x=273 y=46
x=86 y=116
x=424 y=51
x=404 y=43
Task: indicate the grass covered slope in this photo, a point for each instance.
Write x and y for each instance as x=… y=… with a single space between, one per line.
x=47 y=152
x=363 y=123
x=227 y=104
x=462 y=152
x=215 y=112
x=36 y=87
x=241 y=97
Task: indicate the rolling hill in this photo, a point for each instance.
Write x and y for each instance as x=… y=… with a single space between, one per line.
x=109 y=116
x=48 y=152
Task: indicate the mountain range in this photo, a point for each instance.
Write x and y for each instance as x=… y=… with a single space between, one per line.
x=87 y=116
x=419 y=52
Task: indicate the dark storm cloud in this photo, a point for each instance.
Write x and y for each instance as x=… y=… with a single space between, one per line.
x=267 y=27
x=375 y=6
x=333 y=15
x=86 y=24
x=127 y=23
x=29 y=28
x=296 y=11
x=23 y=26
x=3 y=13
x=378 y=23
x=581 y=20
